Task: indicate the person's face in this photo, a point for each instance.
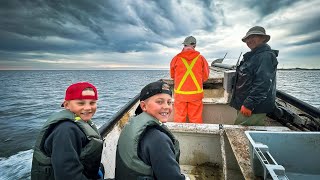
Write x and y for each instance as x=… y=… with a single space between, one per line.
x=159 y=106
x=254 y=41
x=84 y=108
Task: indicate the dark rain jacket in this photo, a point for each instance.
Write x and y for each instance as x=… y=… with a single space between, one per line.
x=147 y=150
x=255 y=86
x=67 y=148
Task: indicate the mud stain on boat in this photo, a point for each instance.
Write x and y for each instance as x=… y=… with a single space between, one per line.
x=123 y=121
x=203 y=171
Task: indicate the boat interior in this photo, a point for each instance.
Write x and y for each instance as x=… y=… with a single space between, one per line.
x=216 y=149
x=208 y=151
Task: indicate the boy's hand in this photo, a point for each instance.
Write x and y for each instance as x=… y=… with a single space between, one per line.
x=245 y=111
x=100 y=174
x=186 y=177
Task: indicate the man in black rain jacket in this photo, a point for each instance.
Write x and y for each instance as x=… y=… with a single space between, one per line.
x=255 y=88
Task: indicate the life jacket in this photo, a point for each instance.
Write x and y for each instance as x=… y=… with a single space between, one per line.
x=90 y=154
x=189 y=70
x=128 y=163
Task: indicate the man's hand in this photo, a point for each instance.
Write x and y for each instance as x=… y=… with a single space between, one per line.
x=245 y=111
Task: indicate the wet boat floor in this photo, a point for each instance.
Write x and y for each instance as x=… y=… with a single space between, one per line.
x=202 y=172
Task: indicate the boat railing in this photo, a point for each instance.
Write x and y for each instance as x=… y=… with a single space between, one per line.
x=103 y=130
x=313 y=111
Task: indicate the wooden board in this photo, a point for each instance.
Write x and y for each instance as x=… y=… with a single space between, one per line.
x=240 y=146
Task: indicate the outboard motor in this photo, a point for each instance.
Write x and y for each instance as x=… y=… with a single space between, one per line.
x=218 y=60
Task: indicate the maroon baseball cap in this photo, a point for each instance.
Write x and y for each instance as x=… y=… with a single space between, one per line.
x=74 y=91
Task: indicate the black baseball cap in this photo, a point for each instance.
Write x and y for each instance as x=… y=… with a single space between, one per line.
x=152 y=89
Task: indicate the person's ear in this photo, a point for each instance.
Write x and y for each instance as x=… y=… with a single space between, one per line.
x=66 y=104
x=143 y=106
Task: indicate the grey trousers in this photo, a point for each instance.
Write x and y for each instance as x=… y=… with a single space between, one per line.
x=253 y=120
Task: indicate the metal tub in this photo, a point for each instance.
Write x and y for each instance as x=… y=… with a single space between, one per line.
x=285 y=155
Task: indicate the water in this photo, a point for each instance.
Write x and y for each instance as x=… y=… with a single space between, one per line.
x=303 y=85
x=29 y=97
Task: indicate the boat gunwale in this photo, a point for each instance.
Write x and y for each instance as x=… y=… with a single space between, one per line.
x=107 y=127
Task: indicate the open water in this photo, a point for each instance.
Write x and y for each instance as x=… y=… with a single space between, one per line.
x=28 y=98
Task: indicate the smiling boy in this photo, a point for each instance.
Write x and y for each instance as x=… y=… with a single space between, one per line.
x=83 y=108
x=69 y=145
x=146 y=148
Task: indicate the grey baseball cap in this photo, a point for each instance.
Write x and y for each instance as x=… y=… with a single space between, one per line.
x=257 y=30
x=190 y=40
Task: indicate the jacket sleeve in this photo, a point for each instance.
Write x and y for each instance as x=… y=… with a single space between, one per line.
x=262 y=83
x=172 y=67
x=205 y=69
x=64 y=144
x=156 y=150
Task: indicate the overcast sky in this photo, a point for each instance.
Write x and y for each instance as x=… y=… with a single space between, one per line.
x=146 y=34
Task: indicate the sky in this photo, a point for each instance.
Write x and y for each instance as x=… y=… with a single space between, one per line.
x=147 y=34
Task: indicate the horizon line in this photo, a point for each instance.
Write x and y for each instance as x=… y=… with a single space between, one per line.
x=125 y=69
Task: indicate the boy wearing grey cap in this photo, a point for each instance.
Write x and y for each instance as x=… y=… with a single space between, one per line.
x=146 y=148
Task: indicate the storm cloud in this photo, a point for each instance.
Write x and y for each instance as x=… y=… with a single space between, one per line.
x=53 y=34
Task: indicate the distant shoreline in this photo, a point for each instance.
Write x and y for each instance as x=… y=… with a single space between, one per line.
x=294 y=69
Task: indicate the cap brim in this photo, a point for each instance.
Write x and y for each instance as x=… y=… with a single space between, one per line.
x=138 y=110
x=268 y=36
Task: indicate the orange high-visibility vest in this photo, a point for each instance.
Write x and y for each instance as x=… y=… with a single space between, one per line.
x=190 y=73
x=189 y=70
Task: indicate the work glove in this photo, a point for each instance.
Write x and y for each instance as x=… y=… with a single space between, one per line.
x=245 y=111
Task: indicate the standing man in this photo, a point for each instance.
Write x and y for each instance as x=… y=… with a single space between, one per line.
x=189 y=70
x=255 y=88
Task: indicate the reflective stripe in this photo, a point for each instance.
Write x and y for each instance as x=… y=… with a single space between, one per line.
x=193 y=77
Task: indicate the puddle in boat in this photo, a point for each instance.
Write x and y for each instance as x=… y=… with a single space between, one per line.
x=202 y=172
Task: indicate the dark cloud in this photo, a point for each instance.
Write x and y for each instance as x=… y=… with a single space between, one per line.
x=309 y=25
x=265 y=8
x=28 y=25
x=307 y=30
x=31 y=28
x=306 y=41
x=19 y=43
